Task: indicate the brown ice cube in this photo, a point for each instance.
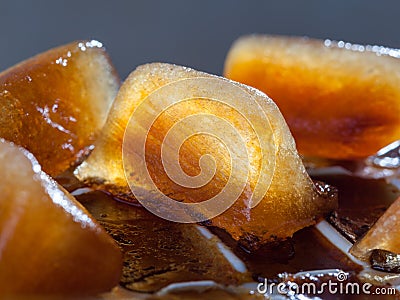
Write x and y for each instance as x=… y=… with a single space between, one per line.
x=291 y=202
x=49 y=244
x=340 y=100
x=54 y=104
x=383 y=235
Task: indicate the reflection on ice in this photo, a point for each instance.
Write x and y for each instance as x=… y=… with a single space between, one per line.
x=387 y=157
x=384 y=164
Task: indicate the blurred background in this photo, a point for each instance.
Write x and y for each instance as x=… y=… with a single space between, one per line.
x=191 y=33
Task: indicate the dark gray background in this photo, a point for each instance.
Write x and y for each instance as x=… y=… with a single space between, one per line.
x=192 y=33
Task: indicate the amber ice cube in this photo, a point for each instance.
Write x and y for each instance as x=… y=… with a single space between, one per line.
x=383 y=235
x=54 y=104
x=49 y=244
x=292 y=201
x=340 y=100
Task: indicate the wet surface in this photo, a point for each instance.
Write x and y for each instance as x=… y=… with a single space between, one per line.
x=159 y=252
x=385 y=261
x=308 y=250
x=361 y=203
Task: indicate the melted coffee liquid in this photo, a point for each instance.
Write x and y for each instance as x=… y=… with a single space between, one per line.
x=159 y=252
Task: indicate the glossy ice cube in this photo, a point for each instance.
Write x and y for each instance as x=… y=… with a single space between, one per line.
x=54 y=104
x=49 y=244
x=291 y=202
x=341 y=100
x=383 y=235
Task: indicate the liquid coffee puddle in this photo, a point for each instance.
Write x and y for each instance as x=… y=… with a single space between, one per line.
x=361 y=203
x=158 y=253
